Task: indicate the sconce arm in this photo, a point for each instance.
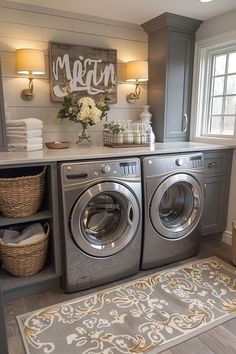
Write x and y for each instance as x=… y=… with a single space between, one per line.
x=134 y=96
x=27 y=94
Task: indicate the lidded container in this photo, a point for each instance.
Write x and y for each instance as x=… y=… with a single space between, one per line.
x=145 y=115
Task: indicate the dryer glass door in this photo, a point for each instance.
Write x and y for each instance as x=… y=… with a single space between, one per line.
x=176 y=206
x=105 y=219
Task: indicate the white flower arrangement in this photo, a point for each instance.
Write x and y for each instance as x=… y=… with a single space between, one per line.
x=85 y=111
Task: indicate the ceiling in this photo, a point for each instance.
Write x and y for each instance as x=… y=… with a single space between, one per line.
x=138 y=11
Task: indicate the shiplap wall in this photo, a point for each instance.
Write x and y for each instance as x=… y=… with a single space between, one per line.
x=24 y=26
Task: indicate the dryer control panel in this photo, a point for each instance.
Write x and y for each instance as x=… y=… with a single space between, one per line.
x=158 y=165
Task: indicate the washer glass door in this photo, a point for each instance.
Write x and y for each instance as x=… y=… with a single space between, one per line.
x=105 y=219
x=176 y=206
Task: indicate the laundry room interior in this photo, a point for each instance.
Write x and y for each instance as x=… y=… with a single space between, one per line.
x=117 y=177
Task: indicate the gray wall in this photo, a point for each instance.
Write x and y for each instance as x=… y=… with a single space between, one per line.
x=217 y=25
x=25 y=26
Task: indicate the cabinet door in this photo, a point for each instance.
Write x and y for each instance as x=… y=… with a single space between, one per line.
x=213 y=219
x=178 y=89
x=3 y=335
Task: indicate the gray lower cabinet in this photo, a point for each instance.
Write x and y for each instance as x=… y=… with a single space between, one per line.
x=217 y=183
x=17 y=287
x=171 y=41
x=3 y=332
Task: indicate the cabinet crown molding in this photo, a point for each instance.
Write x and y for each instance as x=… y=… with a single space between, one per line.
x=167 y=19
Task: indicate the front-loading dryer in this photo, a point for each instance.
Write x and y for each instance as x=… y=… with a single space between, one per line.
x=102 y=221
x=173 y=204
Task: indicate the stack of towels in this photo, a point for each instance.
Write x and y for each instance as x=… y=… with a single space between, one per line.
x=24 y=134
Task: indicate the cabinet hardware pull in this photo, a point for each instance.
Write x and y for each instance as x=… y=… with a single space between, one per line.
x=205 y=189
x=211 y=164
x=186 y=123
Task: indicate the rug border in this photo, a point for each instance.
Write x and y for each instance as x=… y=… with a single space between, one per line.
x=163 y=347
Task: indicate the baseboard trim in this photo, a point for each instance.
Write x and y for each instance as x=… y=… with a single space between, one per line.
x=227 y=237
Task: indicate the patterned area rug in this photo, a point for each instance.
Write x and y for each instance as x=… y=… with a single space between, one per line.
x=147 y=315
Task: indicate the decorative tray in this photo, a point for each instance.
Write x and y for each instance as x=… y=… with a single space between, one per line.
x=58 y=144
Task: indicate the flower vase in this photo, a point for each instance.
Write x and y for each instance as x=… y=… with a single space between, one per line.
x=84 y=134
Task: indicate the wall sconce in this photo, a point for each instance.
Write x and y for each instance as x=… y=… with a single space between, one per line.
x=136 y=71
x=29 y=62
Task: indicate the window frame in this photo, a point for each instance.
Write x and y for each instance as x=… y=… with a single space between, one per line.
x=204 y=52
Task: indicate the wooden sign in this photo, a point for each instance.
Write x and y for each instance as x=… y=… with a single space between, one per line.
x=87 y=71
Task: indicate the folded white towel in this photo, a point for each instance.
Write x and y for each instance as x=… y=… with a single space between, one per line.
x=24 y=147
x=33 y=239
x=21 y=133
x=29 y=123
x=22 y=129
x=15 y=237
x=24 y=140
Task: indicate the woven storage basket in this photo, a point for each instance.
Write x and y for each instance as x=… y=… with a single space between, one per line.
x=22 y=196
x=25 y=260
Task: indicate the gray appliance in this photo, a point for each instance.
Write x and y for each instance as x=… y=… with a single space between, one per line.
x=102 y=221
x=173 y=204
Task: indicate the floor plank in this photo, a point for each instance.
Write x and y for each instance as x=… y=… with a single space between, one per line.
x=220 y=340
x=230 y=326
x=190 y=346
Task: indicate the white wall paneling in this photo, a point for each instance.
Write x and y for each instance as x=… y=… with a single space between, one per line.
x=24 y=26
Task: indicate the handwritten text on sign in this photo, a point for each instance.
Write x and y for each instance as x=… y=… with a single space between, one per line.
x=87 y=71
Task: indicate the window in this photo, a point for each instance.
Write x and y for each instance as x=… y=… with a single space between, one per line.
x=214 y=92
x=222 y=95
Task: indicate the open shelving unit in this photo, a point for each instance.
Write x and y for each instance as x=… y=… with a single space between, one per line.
x=15 y=287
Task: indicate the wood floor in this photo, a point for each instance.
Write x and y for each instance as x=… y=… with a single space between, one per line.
x=220 y=340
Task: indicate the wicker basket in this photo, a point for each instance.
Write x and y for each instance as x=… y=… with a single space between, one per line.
x=22 y=196
x=25 y=260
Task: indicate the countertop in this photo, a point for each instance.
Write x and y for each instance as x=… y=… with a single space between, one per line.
x=82 y=152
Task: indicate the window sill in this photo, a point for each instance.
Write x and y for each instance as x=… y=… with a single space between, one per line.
x=214 y=140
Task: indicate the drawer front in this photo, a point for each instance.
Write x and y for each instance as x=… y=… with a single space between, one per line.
x=217 y=162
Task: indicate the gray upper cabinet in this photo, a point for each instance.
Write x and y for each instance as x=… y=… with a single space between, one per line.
x=170 y=54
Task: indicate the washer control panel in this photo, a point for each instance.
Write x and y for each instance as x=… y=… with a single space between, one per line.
x=79 y=172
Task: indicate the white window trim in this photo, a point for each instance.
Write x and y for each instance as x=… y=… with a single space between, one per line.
x=203 y=49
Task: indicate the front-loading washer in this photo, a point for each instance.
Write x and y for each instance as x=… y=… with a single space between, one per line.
x=102 y=221
x=173 y=205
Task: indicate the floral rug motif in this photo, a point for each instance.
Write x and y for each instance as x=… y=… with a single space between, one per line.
x=147 y=315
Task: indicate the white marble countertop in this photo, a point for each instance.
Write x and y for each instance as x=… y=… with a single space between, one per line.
x=85 y=152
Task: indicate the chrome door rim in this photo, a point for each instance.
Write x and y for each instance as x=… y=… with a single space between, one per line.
x=131 y=225
x=190 y=224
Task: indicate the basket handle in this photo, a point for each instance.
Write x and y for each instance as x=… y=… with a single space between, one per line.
x=46 y=228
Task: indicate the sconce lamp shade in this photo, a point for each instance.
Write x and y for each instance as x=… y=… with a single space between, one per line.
x=30 y=61
x=137 y=71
